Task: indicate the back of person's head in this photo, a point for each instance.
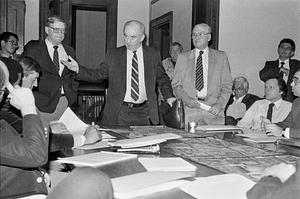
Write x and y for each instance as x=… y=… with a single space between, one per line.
x=54 y=18
x=180 y=47
x=6 y=35
x=29 y=65
x=289 y=41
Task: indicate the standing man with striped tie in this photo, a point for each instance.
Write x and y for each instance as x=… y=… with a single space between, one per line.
x=203 y=75
x=133 y=71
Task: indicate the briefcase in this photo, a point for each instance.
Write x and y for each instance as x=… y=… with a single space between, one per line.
x=174 y=116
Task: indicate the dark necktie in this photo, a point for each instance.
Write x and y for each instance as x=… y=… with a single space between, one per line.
x=281 y=66
x=270 y=111
x=134 y=77
x=199 y=72
x=55 y=57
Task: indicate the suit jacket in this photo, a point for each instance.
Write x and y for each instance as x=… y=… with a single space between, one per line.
x=271 y=69
x=292 y=120
x=219 y=78
x=21 y=156
x=50 y=83
x=248 y=100
x=114 y=68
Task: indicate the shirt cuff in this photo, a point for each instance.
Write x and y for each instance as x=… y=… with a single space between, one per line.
x=78 y=140
x=286 y=133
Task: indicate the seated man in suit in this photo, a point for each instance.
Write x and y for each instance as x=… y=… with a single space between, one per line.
x=203 y=74
x=284 y=66
x=239 y=101
x=290 y=126
x=273 y=107
x=22 y=156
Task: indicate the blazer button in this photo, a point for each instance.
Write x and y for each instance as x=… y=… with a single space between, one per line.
x=39 y=179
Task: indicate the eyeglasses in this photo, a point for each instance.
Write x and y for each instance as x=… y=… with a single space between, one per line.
x=58 y=30
x=200 y=34
x=14 y=43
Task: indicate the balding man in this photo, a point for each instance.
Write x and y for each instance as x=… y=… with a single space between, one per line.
x=133 y=71
x=203 y=74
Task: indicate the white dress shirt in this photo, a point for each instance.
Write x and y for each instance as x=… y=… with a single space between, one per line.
x=142 y=88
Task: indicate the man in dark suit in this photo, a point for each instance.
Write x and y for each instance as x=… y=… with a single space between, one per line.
x=239 y=101
x=133 y=71
x=57 y=85
x=21 y=157
x=284 y=66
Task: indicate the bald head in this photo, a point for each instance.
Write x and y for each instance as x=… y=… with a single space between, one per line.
x=134 y=34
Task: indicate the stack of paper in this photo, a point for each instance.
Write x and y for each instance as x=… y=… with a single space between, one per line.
x=145 y=183
x=167 y=164
x=97 y=159
x=218 y=127
x=145 y=141
x=227 y=186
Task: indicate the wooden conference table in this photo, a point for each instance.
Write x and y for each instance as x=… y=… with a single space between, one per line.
x=212 y=153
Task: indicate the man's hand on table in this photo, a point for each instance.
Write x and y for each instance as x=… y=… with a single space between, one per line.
x=282 y=171
x=92 y=135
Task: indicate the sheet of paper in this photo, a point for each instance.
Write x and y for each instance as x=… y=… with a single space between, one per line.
x=72 y=122
x=167 y=164
x=97 y=159
x=217 y=127
x=270 y=139
x=97 y=145
x=145 y=141
x=204 y=106
x=231 y=186
x=145 y=183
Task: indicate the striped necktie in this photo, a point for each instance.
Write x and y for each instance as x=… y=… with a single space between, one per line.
x=55 y=57
x=134 y=77
x=199 y=72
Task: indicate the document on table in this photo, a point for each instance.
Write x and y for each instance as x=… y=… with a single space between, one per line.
x=145 y=183
x=167 y=164
x=97 y=159
x=217 y=127
x=145 y=141
x=233 y=186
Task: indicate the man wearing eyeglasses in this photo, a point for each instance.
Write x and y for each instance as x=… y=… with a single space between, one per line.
x=203 y=75
x=284 y=67
x=57 y=87
x=8 y=48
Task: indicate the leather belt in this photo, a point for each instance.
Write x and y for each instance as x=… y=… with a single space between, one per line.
x=133 y=105
x=62 y=95
x=200 y=99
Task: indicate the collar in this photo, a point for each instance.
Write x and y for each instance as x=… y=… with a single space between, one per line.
x=197 y=51
x=49 y=44
x=286 y=62
x=138 y=51
x=239 y=99
x=277 y=103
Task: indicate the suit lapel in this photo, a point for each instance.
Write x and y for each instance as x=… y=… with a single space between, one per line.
x=147 y=69
x=210 y=71
x=123 y=70
x=45 y=56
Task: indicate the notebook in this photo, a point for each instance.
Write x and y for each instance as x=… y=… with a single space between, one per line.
x=167 y=164
x=97 y=159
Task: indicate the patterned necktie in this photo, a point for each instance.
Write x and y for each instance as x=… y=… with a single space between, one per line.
x=281 y=66
x=270 y=111
x=134 y=78
x=55 y=57
x=199 y=72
